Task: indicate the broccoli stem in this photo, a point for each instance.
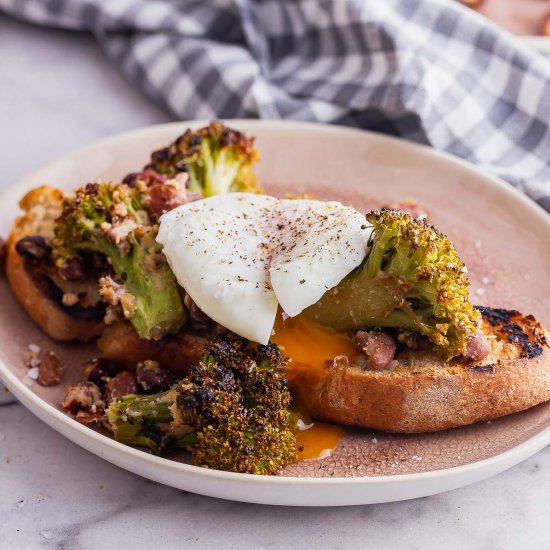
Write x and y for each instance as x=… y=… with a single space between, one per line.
x=144 y=421
x=214 y=172
x=220 y=172
x=150 y=296
x=147 y=421
x=154 y=408
x=158 y=309
x=361 y=300
x=185 y=441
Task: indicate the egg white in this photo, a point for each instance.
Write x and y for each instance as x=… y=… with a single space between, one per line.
x=240 y=255
x=321 y=243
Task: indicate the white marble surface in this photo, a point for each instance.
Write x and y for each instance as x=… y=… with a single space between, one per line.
x=57 y=92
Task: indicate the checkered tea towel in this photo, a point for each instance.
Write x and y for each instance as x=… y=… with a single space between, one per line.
x=428 y=70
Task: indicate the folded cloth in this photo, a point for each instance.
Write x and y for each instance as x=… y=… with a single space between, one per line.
x=428 y=70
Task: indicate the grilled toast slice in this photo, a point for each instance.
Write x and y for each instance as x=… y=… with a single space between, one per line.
x=424 y=394
x=37 y=293
x=176 y=352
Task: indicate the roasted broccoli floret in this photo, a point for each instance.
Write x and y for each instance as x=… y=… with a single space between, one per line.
x=231 y=410
x=412 y=280
x=217 y=159
x=108 y=219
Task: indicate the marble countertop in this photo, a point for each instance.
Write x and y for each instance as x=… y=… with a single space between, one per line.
x=58 y=92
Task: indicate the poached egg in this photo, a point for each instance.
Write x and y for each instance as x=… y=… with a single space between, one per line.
x=241 y=255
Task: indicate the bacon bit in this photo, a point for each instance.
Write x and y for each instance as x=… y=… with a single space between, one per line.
x=84 y=401
x=45 y=369
x=167 y=195
x=478 y=348
x=50 y=372
x=123 y=383
x=85 y=396
x=146 y=176
x=378 y=347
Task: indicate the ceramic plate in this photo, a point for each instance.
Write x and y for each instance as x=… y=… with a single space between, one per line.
x=539 y=43
x=501 y=235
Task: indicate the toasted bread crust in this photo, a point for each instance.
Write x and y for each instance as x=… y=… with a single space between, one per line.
x=42 y=206
x=177 y=353
x=424 y=394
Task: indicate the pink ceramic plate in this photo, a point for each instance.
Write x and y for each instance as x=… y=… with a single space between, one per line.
x=502 y=236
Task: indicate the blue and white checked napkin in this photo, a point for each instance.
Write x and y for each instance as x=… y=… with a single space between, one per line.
x=428 y=70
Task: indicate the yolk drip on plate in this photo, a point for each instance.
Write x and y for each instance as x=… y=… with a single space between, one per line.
x=310 y=347
x=318 y=441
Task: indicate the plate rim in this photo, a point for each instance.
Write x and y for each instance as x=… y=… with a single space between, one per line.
x=539 y=43
x=97 y=443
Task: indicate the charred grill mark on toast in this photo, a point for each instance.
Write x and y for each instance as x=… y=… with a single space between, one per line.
x=482 y=369
x=52 y=292
x=522 y=331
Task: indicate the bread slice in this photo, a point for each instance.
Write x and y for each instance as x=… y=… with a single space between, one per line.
x=177 y=352
x=423 y=394
x=36 y=293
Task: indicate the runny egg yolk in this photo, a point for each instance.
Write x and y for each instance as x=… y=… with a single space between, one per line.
x=310 y=348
